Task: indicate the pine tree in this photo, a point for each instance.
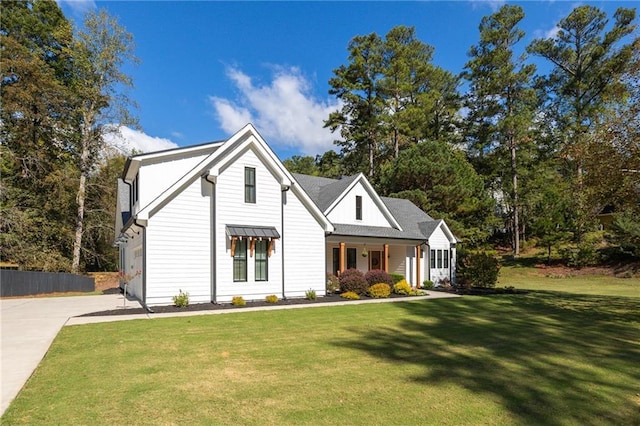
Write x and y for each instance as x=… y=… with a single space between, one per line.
x=501 y=85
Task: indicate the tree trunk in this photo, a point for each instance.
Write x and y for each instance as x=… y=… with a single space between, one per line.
x=370 y=160
x=80 y=198
x=77 y=244
x=514 y=179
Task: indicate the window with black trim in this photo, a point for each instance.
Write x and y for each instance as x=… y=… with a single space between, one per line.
x=432 y=258
x=249 y=185
x=446 y=258
x=262 y=260
x=439 y=258
x=358 y=207
x=352 y=258
x=336 y=260
x=240 y=261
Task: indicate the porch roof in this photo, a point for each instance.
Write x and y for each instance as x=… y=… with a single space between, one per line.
x=375 y=232
x=252 y=231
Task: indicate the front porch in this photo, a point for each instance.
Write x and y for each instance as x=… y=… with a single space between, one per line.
x=392 y=256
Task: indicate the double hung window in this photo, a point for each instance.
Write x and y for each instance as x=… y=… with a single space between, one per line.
x=262 y=260
x=240 y=261
x=250 y=185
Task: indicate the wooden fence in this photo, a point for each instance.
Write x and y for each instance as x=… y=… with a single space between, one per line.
x=25 y=283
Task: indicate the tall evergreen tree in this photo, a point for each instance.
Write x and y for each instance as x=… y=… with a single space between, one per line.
x=589 y=61
x=405 y=73
x=439 y=179
x=501 y=84
x=357 y=85
x=393 y=97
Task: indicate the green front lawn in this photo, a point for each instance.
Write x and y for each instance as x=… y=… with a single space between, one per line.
x=540 y=358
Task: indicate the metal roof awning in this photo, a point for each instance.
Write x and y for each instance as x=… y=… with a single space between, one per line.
x=252 y=231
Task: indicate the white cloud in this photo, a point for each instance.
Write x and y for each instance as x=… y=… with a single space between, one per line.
x=128 y=140
x=78 y=6
x=495 y=5
x=177 y=135
x=283 y=110
x=551 y=33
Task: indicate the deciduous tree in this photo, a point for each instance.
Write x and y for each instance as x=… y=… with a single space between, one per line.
x=101 y=50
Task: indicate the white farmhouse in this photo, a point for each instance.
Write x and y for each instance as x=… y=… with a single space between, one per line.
x=227 y=219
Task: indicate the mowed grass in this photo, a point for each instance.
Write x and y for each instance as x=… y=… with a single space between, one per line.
x=531 y=278
x=540 y=358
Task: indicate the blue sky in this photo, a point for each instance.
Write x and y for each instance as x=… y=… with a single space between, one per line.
x=207 y=67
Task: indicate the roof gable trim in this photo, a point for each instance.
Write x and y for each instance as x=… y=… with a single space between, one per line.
x=374 y=196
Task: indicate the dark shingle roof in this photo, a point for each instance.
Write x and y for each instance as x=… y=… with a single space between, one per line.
x=415 y=224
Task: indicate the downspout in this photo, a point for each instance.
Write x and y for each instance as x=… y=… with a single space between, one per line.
x=283 y=197
x=214 y=292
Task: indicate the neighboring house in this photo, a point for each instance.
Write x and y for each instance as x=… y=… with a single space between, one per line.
x=227 y=219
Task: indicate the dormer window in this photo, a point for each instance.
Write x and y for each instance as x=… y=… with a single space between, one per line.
x=249 y=185
x=358 y=207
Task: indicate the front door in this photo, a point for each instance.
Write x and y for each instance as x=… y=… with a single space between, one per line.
x=374 y=260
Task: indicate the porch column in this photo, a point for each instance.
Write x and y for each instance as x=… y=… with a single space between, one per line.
x=342 y=256
x=385 y=257
x=418 y=251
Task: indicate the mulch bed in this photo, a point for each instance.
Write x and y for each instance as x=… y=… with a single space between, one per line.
x=228 y=306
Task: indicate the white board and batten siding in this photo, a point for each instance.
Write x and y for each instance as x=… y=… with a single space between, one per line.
x=232 y=210
x=155 y=178
x=345 y=210
x=178 y=248
x=304 y=249
x=439 y=241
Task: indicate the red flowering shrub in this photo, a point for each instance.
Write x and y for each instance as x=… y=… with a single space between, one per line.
x=376 y=276
x=353 y=280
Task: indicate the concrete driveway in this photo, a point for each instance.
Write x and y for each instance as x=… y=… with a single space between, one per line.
x=29 y=327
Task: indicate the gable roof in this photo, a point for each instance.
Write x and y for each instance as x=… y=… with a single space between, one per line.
x=222 y=154
x=414 y=224
x=328 y=193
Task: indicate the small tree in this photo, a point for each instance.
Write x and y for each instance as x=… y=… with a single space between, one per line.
x=477 y=270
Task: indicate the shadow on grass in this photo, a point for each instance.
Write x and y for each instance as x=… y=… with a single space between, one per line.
x=549 y=358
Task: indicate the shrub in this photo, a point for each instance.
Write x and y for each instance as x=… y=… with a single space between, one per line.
x=350 y=295
x=625 y=233
x=310 y=294
x=333 y=284
x=478 y=270
x=181 y=300
x=397 y=278
x=376 y=276
x=427 y=284
x=379 y=291
x=238 y=301
x=272 y=298
x=353 y=280
x=402 y=287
